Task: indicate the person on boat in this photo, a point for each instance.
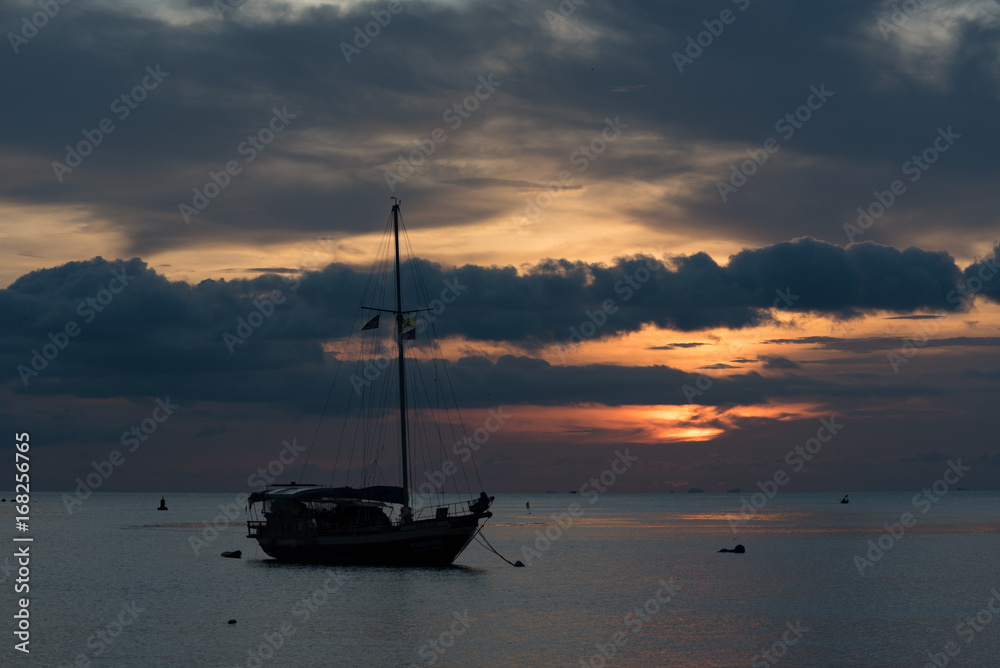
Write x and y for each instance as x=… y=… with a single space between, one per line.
x=480 y=504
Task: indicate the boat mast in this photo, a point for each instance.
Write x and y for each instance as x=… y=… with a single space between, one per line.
x=402 y=368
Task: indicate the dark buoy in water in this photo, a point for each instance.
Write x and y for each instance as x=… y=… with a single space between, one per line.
x=845 y=499
x=163 y=504
x=518 y=564
x=233 y=555
x=232 y=621
x=739 y=549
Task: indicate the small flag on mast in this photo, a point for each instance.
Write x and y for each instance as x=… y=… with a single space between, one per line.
x=409 y=329
x=371 y=324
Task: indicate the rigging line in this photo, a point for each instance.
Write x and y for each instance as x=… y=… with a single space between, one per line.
x=424 y=408
x=458 y=411
x=402 y=235
x=422 y=393
x=434 y=409
x=369 y=346
x=369 y=404
x=486 y=544
x=439 y=361
x=376 y=425
x=368 y=424
x=445 y=416
x=440 y=354
x=333 y=384
x=358 y=425
x=380 y=427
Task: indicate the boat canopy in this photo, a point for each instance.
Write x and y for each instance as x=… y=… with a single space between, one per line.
x=383 y=493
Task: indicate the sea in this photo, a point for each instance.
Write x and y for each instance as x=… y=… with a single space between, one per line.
x=889 y=579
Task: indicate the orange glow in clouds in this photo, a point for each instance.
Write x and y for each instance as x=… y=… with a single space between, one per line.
x=594 y=423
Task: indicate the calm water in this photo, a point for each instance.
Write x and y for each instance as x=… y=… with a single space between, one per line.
x=118 y=567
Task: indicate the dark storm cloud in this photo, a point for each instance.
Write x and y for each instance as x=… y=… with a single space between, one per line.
x=878 y=344
x=862 y=276
x=778 y=362
x=673 y=346
x=983 y=277
x=106 y=329
x=558 y=83
x=145 y=323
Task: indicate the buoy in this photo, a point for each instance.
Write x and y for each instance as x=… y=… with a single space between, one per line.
x=163 y=504
x=232 y=621
x=739 y=549
x=518 y=564
x=233 y=555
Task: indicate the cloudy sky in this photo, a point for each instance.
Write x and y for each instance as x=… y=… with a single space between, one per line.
x=696 y=230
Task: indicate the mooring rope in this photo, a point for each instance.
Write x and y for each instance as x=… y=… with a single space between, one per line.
x=486 y=544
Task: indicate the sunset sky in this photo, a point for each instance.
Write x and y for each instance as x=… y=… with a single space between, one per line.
x=694 y=230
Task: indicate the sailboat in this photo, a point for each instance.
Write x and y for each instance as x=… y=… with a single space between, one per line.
x=372 y=524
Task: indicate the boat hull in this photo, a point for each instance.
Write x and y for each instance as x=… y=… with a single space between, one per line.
x=431 y=543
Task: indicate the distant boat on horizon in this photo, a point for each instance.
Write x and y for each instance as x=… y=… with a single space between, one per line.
x=347 y=525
